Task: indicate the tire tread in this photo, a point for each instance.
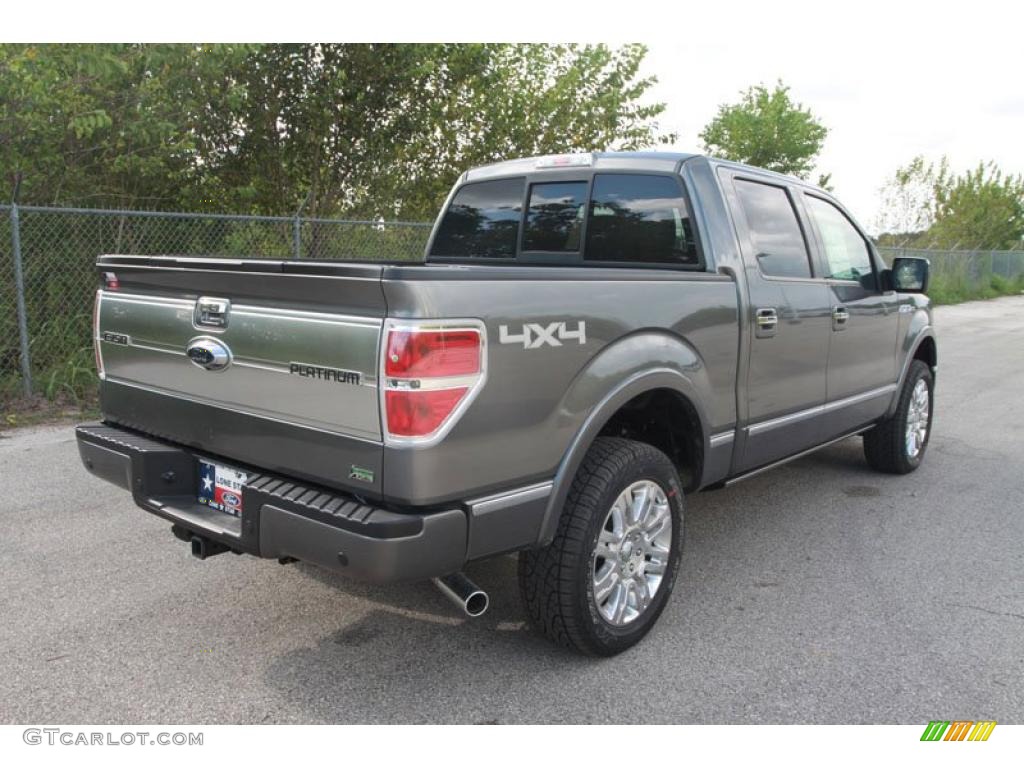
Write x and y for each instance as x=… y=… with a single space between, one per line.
x=549 y=577
x=883 y=444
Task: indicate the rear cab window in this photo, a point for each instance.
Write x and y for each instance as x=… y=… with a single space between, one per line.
x=482 y=221
x=554 y=219
x=613 y=218
x=639 y=218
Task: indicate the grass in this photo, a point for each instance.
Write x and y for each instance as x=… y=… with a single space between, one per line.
x=63 y=373
x=63 y=391
x=956 y=290
x=23 y=411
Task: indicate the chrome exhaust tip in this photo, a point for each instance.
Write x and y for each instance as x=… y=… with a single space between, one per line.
x=472 y=600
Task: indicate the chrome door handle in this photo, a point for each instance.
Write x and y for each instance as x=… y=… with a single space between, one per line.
x=767 y=320
x=839 y=317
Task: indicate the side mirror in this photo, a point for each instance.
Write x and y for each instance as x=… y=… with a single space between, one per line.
x=908 y=274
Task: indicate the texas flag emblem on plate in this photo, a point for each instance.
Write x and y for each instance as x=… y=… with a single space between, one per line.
x=220 y=487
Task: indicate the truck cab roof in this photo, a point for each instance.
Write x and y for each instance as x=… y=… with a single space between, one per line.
x=646 y=161
x=649 y=160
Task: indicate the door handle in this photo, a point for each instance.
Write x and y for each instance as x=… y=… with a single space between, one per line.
x=839 y=317
x=767 y=321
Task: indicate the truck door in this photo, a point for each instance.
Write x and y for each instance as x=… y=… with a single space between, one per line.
x=862 y=369
x=789 y=314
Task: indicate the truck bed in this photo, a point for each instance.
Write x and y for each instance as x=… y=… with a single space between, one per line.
x=302 y=397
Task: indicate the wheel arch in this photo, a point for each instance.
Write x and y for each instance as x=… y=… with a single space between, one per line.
x=660 y=382
x=919 y=346
x=927 y=352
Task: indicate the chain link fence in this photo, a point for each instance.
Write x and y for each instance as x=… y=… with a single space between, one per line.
x=47 y=258
x=963 y=275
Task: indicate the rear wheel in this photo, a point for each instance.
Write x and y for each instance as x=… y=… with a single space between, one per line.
x=897 y=445
x=607 y=575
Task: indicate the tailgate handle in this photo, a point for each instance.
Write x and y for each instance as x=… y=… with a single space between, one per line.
x=211 y=312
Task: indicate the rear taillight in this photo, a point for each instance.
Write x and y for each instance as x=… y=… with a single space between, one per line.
x=431 y=354
x=96 y=333
x=431 y=372
x=418 y=413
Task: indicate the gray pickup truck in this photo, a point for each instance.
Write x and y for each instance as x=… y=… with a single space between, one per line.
x=590 y=338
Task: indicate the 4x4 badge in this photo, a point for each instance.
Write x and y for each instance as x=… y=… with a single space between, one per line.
x=536 y=335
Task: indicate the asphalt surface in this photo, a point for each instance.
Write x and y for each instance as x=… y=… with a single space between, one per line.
x=817 y=593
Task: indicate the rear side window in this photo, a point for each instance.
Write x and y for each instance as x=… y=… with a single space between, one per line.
x=775 y=232
x=846 y=253
x=482 y=220
x=639 y=218
x=555 y=217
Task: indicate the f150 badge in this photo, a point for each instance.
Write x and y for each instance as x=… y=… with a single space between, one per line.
x=536 y=335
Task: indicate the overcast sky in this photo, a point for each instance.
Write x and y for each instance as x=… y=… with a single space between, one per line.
x=888 y=85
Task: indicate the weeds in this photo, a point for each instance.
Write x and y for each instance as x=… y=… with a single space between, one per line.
x=946 y=289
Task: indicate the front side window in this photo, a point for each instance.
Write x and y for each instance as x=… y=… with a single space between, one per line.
x=775 y=233
x=555 y=216
x=482 y=220
x=639 y=218
x=846 y=253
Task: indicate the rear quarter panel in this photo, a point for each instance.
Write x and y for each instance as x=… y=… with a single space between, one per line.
x=537 y=399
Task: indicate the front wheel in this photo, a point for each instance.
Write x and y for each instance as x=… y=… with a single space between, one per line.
x=897 y=444
x=602 y=583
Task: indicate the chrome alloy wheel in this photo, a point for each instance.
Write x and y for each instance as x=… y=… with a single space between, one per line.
x=917 y=418
x=632 y=553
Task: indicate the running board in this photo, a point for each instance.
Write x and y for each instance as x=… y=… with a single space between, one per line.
x=795 y=456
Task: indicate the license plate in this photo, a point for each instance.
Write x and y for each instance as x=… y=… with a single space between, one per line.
x=220 y=487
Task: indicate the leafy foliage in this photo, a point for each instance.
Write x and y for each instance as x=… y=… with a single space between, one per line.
x=112 y=125
x=767 y=129
x=384 y=130
x=981 y=208
x=925 y=204
x=907 y=202
x=340 y=129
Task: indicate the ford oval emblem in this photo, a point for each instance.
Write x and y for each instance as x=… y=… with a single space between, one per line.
x=208 y=353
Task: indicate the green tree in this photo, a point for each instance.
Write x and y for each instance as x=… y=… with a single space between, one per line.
x=106 y=125
x=346 y=129
x=982 y=208
x=925 y=204
x=384 y=130
x=767 y=129
x=532 y=100
x=907 y=202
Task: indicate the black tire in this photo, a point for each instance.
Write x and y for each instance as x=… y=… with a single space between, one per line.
x=885 y=446
x=556 y=582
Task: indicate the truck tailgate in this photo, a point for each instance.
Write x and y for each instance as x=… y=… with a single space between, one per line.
x=267 y=363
